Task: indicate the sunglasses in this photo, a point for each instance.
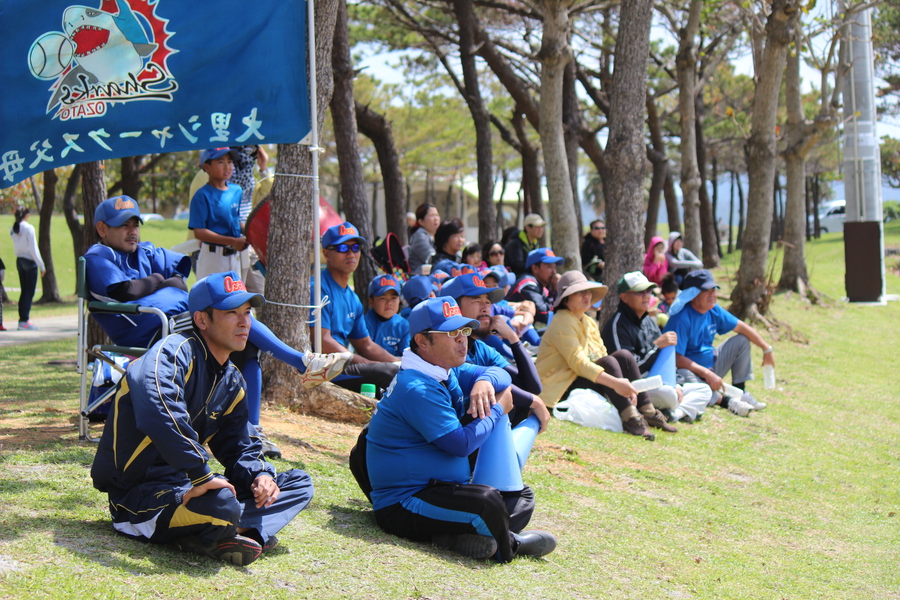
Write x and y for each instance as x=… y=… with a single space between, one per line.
x=466 y=331
x=598 y=228
x=344 y=248
x=498 y=252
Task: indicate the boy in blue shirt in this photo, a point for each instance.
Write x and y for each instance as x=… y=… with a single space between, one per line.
x=387 y=328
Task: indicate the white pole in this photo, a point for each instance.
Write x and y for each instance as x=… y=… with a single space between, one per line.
x=314 y=149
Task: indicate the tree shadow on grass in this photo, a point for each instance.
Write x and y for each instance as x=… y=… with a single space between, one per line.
x=358 y=521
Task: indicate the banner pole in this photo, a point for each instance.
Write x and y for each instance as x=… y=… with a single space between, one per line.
x=315 y=150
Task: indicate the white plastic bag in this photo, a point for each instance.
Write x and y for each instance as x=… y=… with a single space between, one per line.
x=588 y=408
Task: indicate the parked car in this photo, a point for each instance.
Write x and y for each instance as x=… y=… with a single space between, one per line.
x=152 y=217
x=831 y=216
x=183 y=215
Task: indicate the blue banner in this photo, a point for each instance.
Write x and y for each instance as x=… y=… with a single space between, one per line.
x=127 y=77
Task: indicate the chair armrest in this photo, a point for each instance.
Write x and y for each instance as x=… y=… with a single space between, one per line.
x=114 y=307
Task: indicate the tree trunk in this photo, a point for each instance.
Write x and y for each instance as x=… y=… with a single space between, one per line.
x=48 y=283
x=531 y=168
x=572 y=126
x=657 y=155
x=131 y=176
x=625 y=152
x=93 y=192
x=673 y=217
x=750 y=297
x=376 y=127
x=554 y=55
x=686 y=63
x=707 y=215
x=343 y=113
x=739 y=243
x=731 y=215
x=292 y=244
x=71 y=215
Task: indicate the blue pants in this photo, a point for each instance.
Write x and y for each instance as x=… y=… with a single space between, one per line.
x=153 y=511
x=28 y=276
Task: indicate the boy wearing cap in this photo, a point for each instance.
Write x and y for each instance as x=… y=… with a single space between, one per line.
x=343 y=320
x=534 y=285
x=415 y=290
x=417 y=447
x=632 y=328
x=520 y=246
x=215 y=215
x=387 y=328
x=184 y=393
x=696 y=318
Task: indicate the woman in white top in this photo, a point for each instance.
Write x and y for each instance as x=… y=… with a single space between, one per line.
x=28 y=263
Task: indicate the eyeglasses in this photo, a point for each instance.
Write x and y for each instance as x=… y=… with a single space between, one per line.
x=466 y=331
x=344 y=248
x=598 y=228
x=497 y=252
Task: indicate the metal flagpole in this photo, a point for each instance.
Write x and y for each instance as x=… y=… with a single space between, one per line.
x=314 y=150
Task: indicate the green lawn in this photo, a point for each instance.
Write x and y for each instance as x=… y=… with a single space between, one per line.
x=798 y=501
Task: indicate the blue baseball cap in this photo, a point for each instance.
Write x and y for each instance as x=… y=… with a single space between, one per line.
x=222 y=291
x=504 y=277
x=453 y=269
x=471 y=284
x=417 y=289
x=214 y=153
x=382 y=284
x=438 y=314
x=701 y=279
x=339 y=234
x=116 y=210
x=542 y=255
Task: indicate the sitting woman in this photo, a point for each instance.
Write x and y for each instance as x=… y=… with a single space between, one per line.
x=449 y=240
x=655 y=263
x=572 y=356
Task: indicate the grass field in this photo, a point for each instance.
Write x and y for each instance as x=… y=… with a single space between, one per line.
x=798 y=501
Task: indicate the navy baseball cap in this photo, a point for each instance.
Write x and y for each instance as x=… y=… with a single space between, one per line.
x=417 y=289
x=701 y=279
x=471 y=284
x=214 y=153
x=542 y=255
x=340 y=234
x=438 y=314
x=222 y=291
x=382 y=284
x=116 y=210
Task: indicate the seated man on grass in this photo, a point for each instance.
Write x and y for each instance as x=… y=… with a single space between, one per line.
x=184 y=393
x=418 y=448
x=696 y=318
x=121 y=268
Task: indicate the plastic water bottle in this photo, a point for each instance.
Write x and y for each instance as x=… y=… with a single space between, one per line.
x=647 y=384
x=769 y=377
x=731 y=391
x=368 y=390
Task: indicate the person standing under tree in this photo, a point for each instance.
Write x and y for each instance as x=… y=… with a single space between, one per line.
x=28 y=263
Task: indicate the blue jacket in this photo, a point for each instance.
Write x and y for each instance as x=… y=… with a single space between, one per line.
x=171 y=402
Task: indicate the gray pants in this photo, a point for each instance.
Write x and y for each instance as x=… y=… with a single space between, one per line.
x=732 y=355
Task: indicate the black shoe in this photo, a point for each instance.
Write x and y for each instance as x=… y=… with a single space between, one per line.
x=535 y=542
x=256 y=537
x=467 y=544
x=238 y=550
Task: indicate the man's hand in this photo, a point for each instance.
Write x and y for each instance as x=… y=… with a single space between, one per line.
x=714 y=381
x=666 y=339
x=502 y=328
x=265 y=491
x=481 y=399
x=239 y=243
x=216 y=483
x=526 y=306
x=541 y=411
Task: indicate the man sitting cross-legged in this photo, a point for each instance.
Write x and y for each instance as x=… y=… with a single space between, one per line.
x=184 y=393
x=418 y=448
x=121 y=268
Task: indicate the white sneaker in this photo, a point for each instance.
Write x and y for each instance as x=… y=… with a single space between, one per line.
x=323 y=367
x=678 y=414
x=739 y=407
x=753 y=402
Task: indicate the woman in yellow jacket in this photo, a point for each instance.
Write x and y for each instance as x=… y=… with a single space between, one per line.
x=572 y=356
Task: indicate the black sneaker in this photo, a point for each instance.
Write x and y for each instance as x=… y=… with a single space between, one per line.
x=238 y=550
x=535 y=542
x=467 y=544
x=256 y=537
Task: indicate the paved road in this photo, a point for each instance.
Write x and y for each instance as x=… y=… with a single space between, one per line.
x=49 y=328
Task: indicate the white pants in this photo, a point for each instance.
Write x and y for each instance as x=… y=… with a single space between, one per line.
x=215 y=261
x=696 y=398
x=252 y=278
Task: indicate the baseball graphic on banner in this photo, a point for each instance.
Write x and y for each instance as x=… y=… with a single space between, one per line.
x=50 y=54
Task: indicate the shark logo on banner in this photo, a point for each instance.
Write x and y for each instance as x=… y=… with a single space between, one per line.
x=116 y=78
x=103 y=58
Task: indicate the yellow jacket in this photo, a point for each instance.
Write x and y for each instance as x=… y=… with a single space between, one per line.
x=568 y=350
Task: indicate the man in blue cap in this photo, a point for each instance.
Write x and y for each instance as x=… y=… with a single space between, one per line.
x=184 y=393
x=418 y=447
x=343 y=318
x=215 y=215
x=538 y=284
x=697 y=318
x=123 y=269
